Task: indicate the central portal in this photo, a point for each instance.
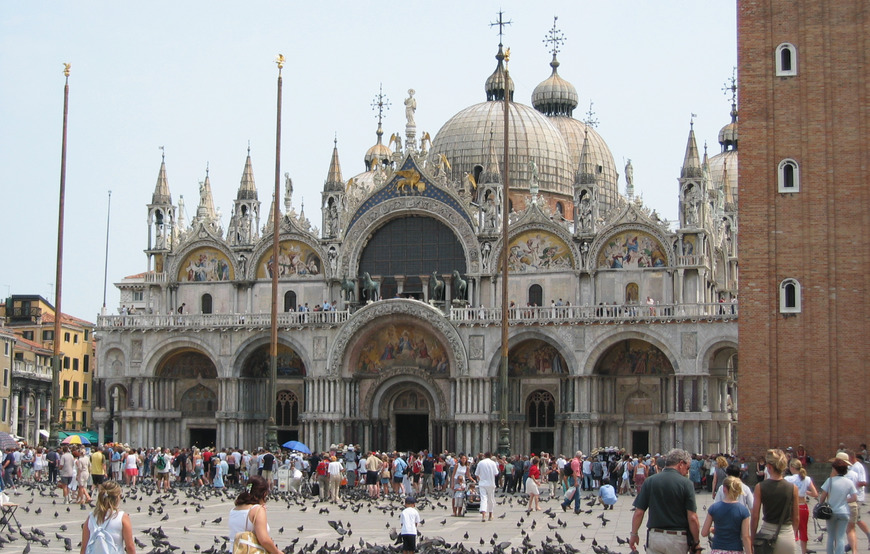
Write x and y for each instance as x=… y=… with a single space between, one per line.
x=202 y=438
x=412 y=432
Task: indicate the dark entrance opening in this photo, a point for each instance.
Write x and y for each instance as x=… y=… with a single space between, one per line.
x=412 y=432
x=201 y=438
x=285 y=435
x=542 y=441
x=640 y=442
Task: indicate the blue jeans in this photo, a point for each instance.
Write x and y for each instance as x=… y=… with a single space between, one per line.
x=575 y=482
x=837 y=533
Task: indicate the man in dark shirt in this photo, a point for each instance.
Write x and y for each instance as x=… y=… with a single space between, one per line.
x=428 y=467
x=268 y=462
x=672 y=527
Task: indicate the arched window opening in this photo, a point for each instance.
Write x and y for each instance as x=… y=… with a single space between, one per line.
x=789 y=176
x=561 y=209
x=786 y=60
x=289 y=301
x=541 y=410
x=287 y=409
x=790 y=296
x=205 y=304
x=536 y=295
x=632 y=293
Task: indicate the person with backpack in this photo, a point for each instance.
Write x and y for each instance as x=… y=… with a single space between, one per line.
x=161 y=461
x=108 y=529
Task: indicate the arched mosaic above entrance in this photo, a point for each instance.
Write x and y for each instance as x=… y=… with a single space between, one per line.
x=295 y=259
x=187 y=364
x=535 y=357
x=632 y=250
x=537 y=250
x=289 y=363
x=634 y=357
x=400 y=345
x=204 y=265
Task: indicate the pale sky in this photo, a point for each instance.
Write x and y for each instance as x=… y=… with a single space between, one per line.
x=199 y=78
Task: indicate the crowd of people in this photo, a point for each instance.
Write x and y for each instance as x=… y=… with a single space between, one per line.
x=665 y=487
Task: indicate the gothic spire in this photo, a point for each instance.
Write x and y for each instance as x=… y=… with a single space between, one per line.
x=586 y=170
x=247 y=187
x=334 y=182
x=692 y=161
x=161 y=190
x=492 y=172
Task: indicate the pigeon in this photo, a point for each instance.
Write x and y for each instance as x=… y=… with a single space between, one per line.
x=218 y=520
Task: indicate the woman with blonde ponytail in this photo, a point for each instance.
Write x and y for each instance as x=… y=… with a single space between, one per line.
x=806 y=488
x=107 y=515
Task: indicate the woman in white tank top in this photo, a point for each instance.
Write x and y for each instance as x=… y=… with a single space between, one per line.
x=116 y=522
x=249 y=514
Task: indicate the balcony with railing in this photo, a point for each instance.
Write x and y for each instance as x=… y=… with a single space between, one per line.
x=221 y=321
x=602 y=313
x=29 y=370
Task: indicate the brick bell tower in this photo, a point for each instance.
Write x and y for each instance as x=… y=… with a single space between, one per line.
x=804 y=200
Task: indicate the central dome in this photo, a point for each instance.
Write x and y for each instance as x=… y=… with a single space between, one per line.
x=466 y=139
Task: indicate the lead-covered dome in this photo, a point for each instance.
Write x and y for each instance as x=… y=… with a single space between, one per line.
x=468 y=137
x=555 y=95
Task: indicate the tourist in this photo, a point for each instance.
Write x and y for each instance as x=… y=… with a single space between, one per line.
x=39 y=464
x=838 y=491
x=731 y=520
x=131 y=467
x=778 y=500
x=83 y=473
x=575 y=481
x=806 y=489
x=249 y=514
x=669 y=496
x=107 y=515
x=532 y=485
x=373 y=474
x=410 y=518
x=335 y=471
x=719 y=473
x=66 y=468
x=487 y=473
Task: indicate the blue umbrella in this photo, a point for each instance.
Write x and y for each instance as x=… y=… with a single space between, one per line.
x=297 y=446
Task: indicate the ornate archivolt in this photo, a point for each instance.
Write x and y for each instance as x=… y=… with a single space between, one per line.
x=358 y=234
x=369 y=315
x=179 y=261
x=604 y=344
x=264 y=247
x=406 y=378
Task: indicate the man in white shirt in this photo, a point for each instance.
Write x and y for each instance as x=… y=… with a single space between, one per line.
x=858 y=474
x=487 y=473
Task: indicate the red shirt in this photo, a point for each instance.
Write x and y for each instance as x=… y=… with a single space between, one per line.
x=534 y=472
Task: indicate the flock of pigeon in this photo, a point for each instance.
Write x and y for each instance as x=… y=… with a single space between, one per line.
x=188 y=520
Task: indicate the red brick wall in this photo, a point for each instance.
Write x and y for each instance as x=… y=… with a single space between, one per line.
x=804 y=377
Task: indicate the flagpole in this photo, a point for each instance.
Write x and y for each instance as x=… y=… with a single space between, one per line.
x=106 y=265
x=504 y=440
x=54 y=426
x=271 y=427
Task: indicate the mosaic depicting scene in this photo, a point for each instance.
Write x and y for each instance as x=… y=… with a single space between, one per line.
x=402 y=345
x=632 y=249
x=204 y=265
x=289 y=363
x=187 y=365
x=535 y=357
x=538 y=251
x=295 y=259
x=634 y=357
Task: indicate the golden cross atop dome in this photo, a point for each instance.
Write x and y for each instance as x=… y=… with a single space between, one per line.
x=555 y=38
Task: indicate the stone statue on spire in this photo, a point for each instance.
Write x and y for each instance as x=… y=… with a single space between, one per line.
x=410 y=108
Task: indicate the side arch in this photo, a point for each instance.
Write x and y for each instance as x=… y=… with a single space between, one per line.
x=533 y=334
x=605 y=343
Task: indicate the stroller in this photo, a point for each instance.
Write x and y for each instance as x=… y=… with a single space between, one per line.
x=472 y=498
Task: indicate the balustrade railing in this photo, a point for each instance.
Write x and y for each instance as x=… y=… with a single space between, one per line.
x=600 y=313
x=29 y=369
x=222 y=321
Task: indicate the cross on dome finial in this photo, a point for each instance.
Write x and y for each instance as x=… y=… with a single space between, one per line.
x=380 y=104
x=591 y=120
x=162 y=153
x=501 y=25
x=731 y=85
x=555 y=37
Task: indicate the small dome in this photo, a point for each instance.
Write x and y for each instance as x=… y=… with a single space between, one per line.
x=728 y=136
x=555 y=95
x=495 y=83
x=378 y=152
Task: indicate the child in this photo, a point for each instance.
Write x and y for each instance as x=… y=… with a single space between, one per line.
x=410 y=518
x=458 y=496
x=607 y=496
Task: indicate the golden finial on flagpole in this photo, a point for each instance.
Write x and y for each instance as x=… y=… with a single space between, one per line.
x=280 y=61
x=66 y=67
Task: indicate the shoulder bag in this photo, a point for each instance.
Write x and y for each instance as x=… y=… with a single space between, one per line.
x=766 y=545
x=246 y=541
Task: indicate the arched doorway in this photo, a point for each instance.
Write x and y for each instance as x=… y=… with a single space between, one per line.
x=287 y=416
x=541 y=418
x=190 y=379
x=635 y=376
x=410 y=413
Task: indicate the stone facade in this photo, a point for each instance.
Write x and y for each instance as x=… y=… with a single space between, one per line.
x=622 y=330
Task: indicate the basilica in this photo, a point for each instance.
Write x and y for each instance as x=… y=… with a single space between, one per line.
x=622 y=326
